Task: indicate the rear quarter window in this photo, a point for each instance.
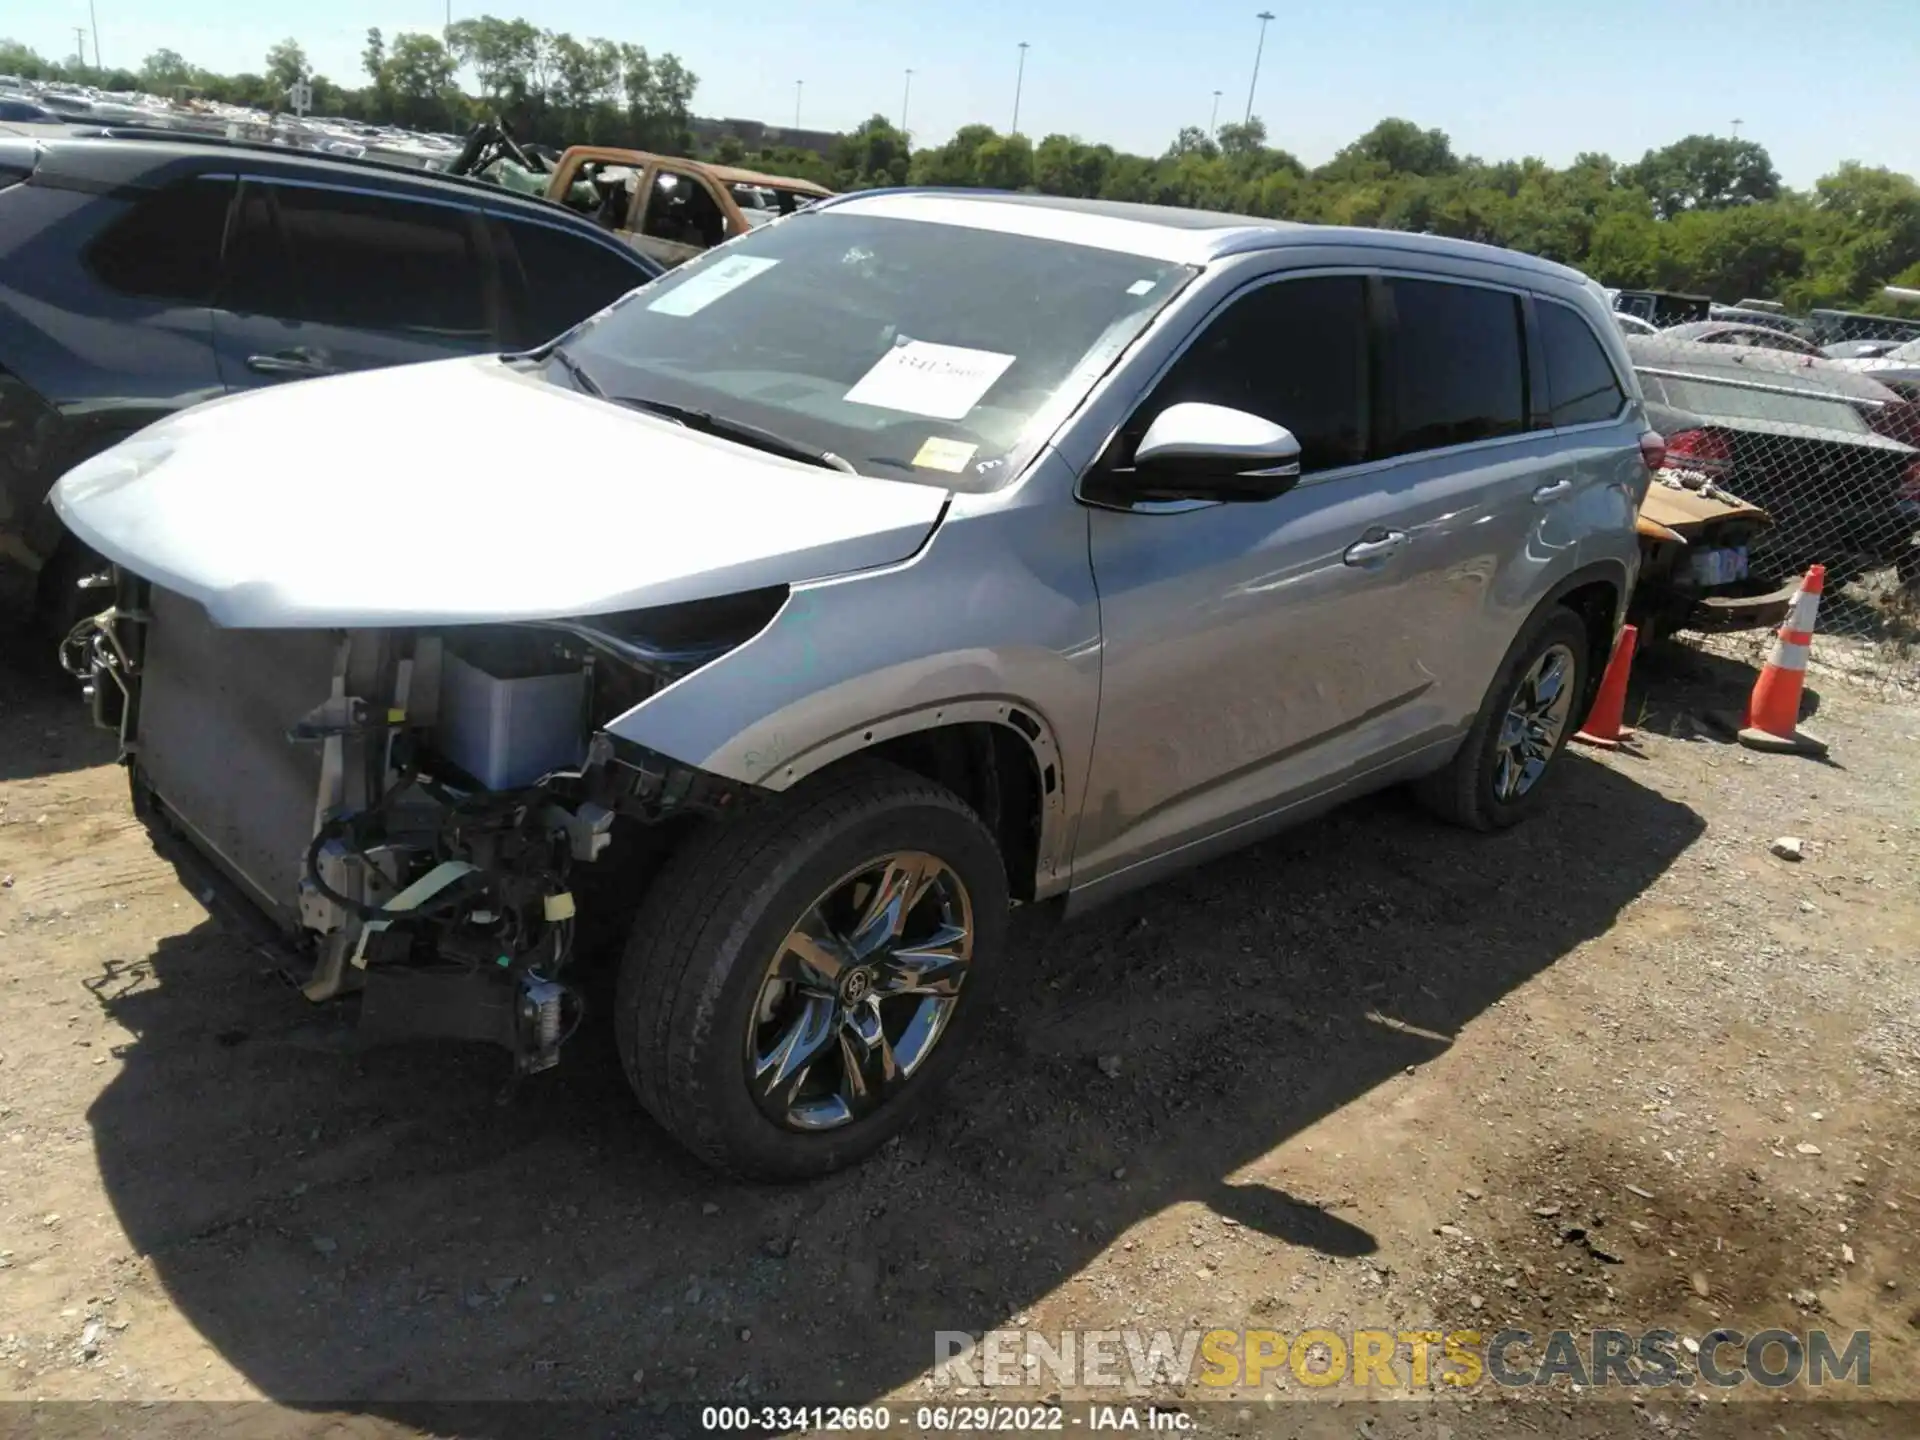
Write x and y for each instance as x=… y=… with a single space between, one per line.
x=559 y=278
x=1581 y=384
x=166 y=246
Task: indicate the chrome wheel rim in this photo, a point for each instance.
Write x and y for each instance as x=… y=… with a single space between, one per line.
x=859 y=993
x=1535 y=719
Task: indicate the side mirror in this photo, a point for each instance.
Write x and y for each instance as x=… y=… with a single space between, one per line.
x=1211 y=452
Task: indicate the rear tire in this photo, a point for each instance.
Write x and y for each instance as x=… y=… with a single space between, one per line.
x=745 y=954
x=1477 y=789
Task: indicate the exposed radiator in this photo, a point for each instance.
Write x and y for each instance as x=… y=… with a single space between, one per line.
x=215 y=708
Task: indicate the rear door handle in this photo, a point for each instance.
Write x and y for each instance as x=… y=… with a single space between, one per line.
x=1377 y=545
x=1551 y=492
x=292 y=364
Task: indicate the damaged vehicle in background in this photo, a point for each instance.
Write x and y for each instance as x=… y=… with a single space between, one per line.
x=142 y=273
x=666 y=206
x=1829 y=454
x=866 y=599
x=1697 y=540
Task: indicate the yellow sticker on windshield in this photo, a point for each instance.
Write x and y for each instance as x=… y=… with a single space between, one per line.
x=949 y=455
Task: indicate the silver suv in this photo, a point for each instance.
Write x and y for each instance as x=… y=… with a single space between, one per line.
x=909 y=558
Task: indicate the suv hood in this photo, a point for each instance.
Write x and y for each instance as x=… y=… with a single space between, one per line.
x=466 y=491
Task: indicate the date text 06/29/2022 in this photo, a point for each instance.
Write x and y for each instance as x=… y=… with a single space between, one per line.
x=938 y=1419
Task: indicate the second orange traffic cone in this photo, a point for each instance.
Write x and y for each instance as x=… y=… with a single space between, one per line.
x=1604 y=725
x=1772 y=720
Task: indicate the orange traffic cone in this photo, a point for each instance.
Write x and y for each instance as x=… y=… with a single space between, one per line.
x=1772 y=719
x=1604 y=727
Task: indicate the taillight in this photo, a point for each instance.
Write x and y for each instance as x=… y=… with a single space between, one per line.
x=1653 y=449
x=1699 y=450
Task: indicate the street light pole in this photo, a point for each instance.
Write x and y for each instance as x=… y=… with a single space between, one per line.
x=1213 y=123
x=1263 y=17
x=94 y=16
x=1019 y=79
x=906 y=97
x=799 y=87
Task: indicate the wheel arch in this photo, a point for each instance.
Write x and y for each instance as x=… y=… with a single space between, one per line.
x=1598 y=594
x=997 y=753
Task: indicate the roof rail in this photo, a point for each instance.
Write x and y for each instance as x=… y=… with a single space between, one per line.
x=268 y=147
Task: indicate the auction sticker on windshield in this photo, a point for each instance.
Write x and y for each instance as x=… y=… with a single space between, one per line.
x=942 y=382
x=942 y=454
x=703 y=287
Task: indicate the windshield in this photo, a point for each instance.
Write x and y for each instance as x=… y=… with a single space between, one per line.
x=914 y=350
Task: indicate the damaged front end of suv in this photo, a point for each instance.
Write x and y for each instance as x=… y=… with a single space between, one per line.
x=409 y=813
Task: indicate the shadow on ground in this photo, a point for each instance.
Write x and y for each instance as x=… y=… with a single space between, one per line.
x=1676 y=687
x=370 y=1230
x=44 y=728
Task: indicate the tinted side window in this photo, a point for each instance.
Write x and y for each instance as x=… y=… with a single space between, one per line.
x=1457 y=369
x=560 y=278
x=1293 y=352
x=365 y=262
x=1580 y=379
x=167 y=246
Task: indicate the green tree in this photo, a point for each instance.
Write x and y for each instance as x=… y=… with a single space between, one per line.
x=1006 y=162
x=418 y=76
x=164 y=71
x=18 y=59
x=957 y=162
x=1704 y=172
x=872 y=156
x=373 y=59
x=1397 y=146
x=286 y=65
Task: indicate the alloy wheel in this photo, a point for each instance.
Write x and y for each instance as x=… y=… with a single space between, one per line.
x=1536 y=717
x=860 y=991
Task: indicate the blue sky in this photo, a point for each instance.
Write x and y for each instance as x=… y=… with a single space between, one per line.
x=1816 y=81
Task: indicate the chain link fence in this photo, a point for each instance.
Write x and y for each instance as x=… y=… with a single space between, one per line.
x=1813 y=420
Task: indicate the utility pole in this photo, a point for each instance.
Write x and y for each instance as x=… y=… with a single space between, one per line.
x=799 y=86
x=94 y=16
x=905 y=97
x=1736 y=124
x=1019 y=79
x=1213 y=124
x=1263 y=17
x=80 y=44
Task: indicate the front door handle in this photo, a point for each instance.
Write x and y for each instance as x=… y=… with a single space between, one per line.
x=1547 y=493
x=292 y=364
x=1376 y=545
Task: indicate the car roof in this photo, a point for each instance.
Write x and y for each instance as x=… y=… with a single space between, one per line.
x=1693 y=329
x=1817 y=379
x=1164 y=232
x=122 y=156
x=733 y=175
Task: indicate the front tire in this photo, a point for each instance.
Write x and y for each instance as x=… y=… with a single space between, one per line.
x=1530 y=712
x=802 y=979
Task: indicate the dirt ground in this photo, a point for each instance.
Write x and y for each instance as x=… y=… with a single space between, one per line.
x=1620 y=1067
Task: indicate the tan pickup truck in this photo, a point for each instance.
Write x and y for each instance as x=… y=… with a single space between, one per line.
x=670 y=208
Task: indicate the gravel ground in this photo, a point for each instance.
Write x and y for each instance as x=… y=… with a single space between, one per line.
x=1620 y=1067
